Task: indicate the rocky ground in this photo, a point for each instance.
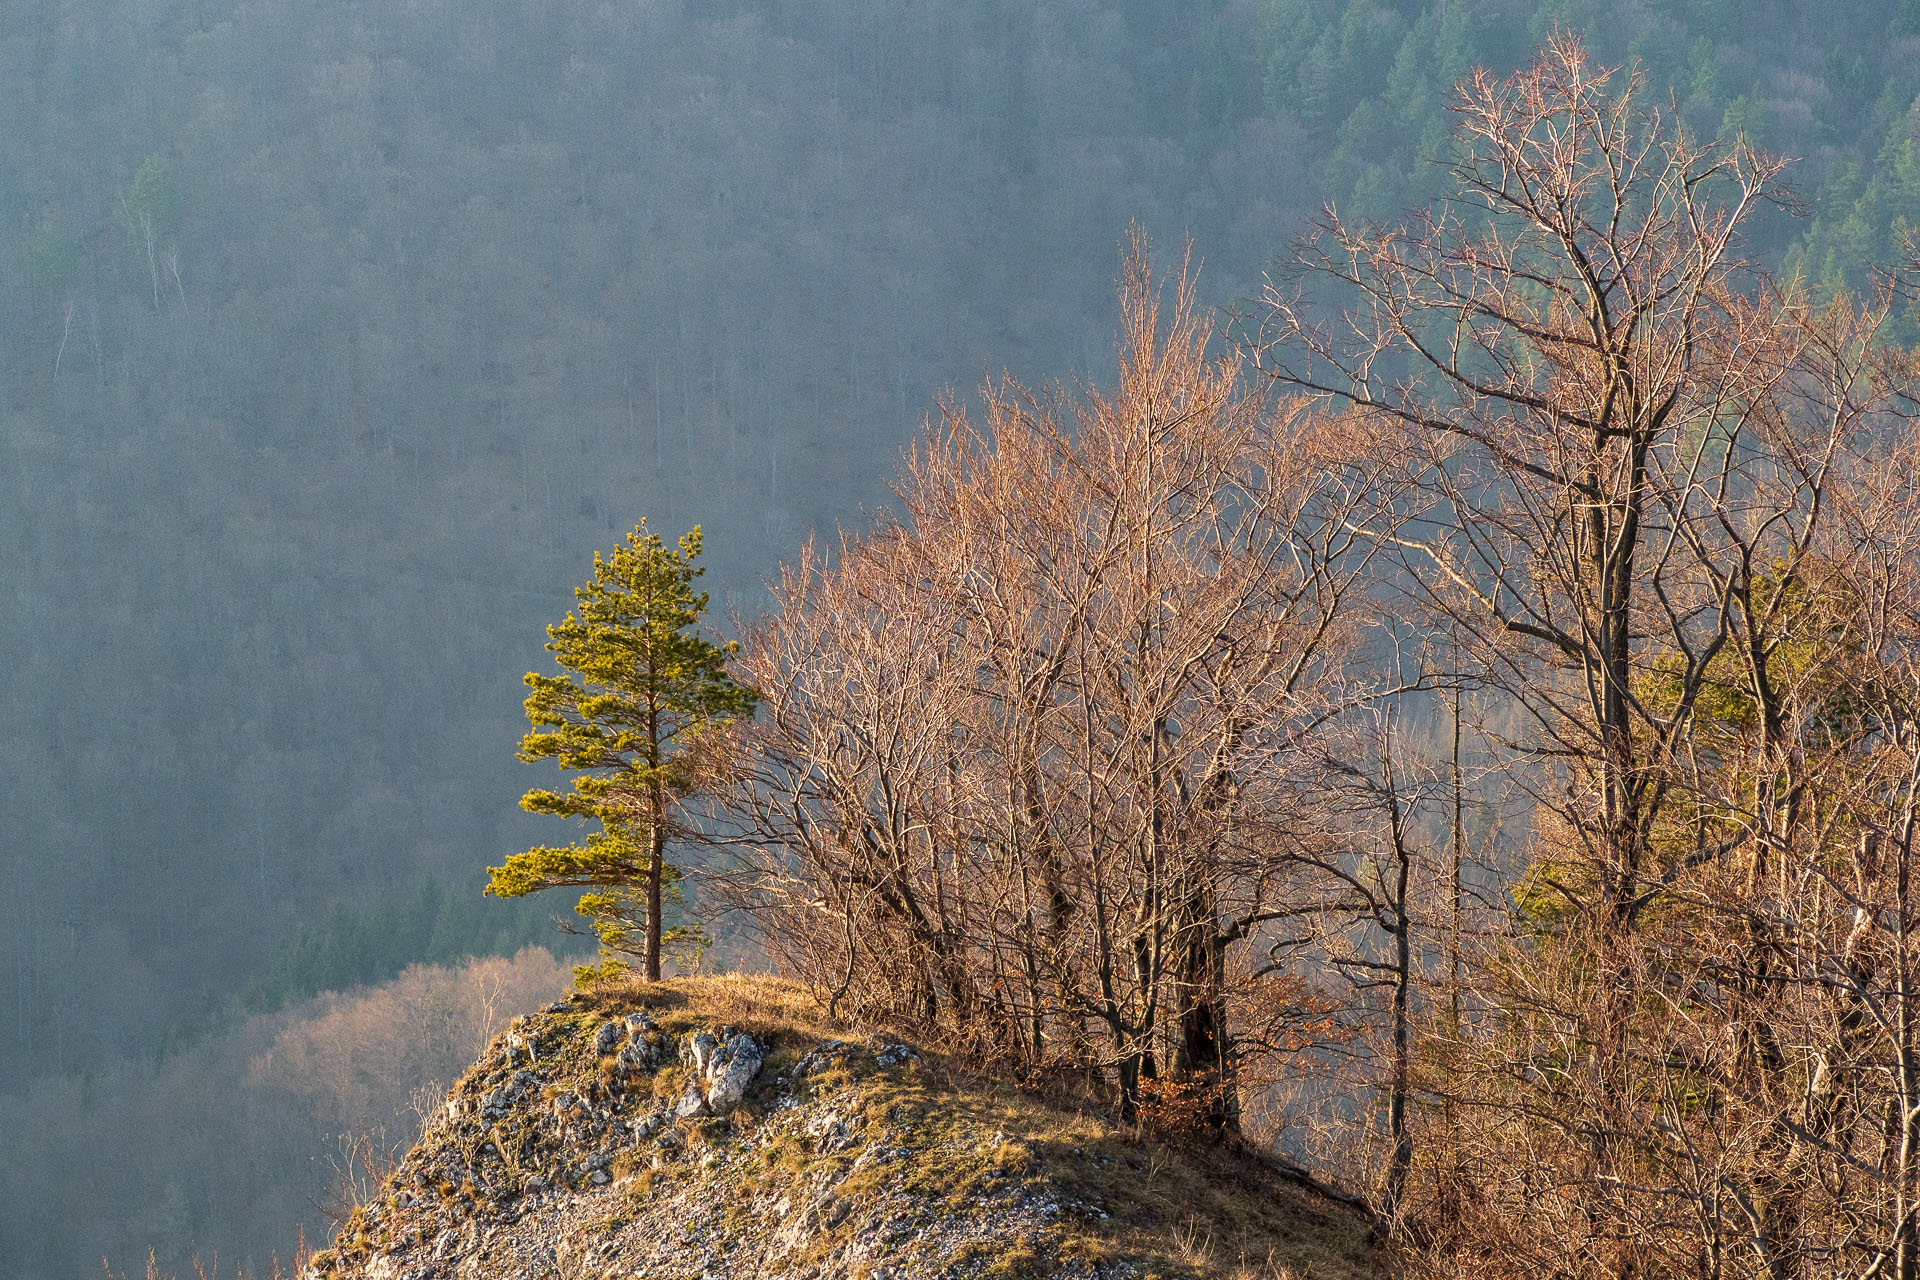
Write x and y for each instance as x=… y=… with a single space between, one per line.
x=719 y=1130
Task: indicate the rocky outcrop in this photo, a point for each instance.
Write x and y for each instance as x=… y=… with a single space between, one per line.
x=723 y=1067
x=594 y=1141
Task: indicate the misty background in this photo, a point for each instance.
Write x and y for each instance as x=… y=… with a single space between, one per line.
x=336 y=336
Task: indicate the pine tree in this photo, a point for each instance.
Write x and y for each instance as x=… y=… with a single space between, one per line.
x=644 y=687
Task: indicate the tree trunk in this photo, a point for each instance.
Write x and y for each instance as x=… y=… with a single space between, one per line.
x=1206 y=1044
x=656 y=873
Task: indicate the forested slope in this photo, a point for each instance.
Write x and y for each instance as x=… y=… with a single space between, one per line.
x=450 y=296
x=238 y=1146
x=337 y=336
x=333 y=338
x=1831 y=87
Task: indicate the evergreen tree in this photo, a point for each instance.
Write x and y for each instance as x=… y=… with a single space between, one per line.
x=644 y=688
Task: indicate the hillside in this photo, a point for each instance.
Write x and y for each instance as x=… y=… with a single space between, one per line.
x=723 y=1128
x=457 y=292
x=339 y=336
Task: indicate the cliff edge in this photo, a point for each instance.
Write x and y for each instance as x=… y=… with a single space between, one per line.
x=721 y=1128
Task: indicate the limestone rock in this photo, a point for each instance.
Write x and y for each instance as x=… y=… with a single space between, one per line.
x=893 y=1055
x=509 y=1094
x=608 y=1038
x=724 y=1067
x=642 y=1053
x=730 y=1070
x=697 y=1050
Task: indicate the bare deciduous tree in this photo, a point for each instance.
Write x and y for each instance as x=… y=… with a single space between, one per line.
x=1556 y=363
x=1642 y=484
x=1029 y=763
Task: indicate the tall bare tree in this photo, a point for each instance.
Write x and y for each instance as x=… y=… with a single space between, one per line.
x=1029 y=764
x=1636 y=473
x=1555 y=350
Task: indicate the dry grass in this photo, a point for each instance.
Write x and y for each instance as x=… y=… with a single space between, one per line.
x=759 y=1000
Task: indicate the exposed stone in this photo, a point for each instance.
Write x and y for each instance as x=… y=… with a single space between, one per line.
x=508 y=1094
x=831 y=1132
x=892 y=1055
x=730 y=1070
x=607 y=1038
x=823 y=1057
x=643 y=1052
x=697 y=1049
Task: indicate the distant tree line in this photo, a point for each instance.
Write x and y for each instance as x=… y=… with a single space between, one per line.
x=234 y=1150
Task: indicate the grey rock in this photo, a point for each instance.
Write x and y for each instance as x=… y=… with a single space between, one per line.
x=730 y=1070
x=892 y=1055
x=642 y=1053
x=607 y=1038
x=822 y=1057
x=698 y=1049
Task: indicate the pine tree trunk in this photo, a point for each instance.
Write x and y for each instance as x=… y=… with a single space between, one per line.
x=656 y=871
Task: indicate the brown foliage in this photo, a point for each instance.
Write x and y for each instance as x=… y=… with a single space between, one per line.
x=1030 y=758
x=1062 y=765
x=1669 y=505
